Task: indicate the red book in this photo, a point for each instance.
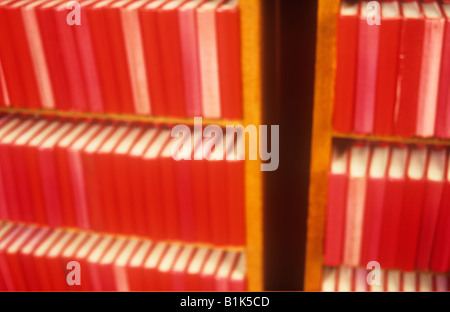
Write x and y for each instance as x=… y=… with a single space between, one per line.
x=166 y=174
x=411 y=44
x=10 y=183
x=417 y=190
x=21 y=48
x=106 y=266
x=373 y=209
x=150 y=268
x=386 y=84
x=63 y=173
x=26 y=258
x=392 y=208
x=208 y=274
x=53 y=55
x=119 y=56
x=81 y=255
x=238 y=278
x=76 y=176
x=10 y=59
x=49 y=174
x=221 y=222
x=235 y=171
x=120 y=265
x=9 y=239
x=135 y=267
x=99 y=28
x=443 y=104
x=107 y=189
x=171 y=58
x=191 y=62
x=163 y=276
x=122 y=180
x=440 y=257
x=97 y=278
x=68 y=254
x=92 y=179
x=345 y=82
x=222 y=278
x=137 y=188
x=229 y=57
x=32 y=169
x=5 y=227
x=193 y=277
x=432 y=203
x=3 y=91
x=58 y=275
x=89 y=67
x=179 y=269
x=153 y=58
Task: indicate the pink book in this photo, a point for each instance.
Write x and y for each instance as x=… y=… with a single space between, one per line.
x=88 y=64
x=37 y=53
x=443 y=106
x=190 y=55
x=367 y=62
x=336 y=202
x=432 y=204
x=356 y=195
x=376 y=186
x=209 y=72
x=430 y=69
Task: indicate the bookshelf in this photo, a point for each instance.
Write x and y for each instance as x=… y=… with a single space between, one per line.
x=250 y=19
x=322 y=138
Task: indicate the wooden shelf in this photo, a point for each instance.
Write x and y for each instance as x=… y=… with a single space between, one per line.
x=392 y=139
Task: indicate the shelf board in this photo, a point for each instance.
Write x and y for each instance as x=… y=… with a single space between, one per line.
x=391 y=139
x=120 y=117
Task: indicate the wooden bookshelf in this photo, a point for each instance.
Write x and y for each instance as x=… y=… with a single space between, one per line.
x=250 y=19
x=323 y=136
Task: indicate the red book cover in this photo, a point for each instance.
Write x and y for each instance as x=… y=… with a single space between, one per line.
x=122 y=180
x=167 y=177
x=171 y=58
x=179 y=269
x=135 y=267
x=5 y=243
x=386 y=85
x=92 y=179
x=10 y=184
x=99 y=28
x=417 y=187
x=136 y=179
x=89 y=68
x=26 y=258
x=49 y=173
x=106 y=267
x=67 y=255
x=3 y=94
x=81 y=255
x=21 y=48
x=57 y=274
x=229 y=57
x=122 y=262
x=53 y=55
x=346 y=58
x=392 y=210
x=119 y=57
x=411 y=39
x=443 y=104
x=193 y=277
x=163 y=276
x=238 y=278
x=63 y=173
x=440 y=257
x=10 y=60
x=93 y=268
x=375 y=195
x=208 y=274
x=430 y=213
x=112 y=221
x=150 y=268
x=153 y=58
x=223 y=276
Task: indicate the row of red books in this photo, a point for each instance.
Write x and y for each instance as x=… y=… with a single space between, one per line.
x=393 y=78
x=39 y=259
x=355 y=279
x=391 y=204
x=120 y=178
x=177 y=58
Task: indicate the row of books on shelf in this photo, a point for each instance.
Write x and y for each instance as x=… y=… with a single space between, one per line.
x=40 y=259
x=356 y=279
x=393 y=78
x=121 y=178
x=388 y=203
x=177 y=58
